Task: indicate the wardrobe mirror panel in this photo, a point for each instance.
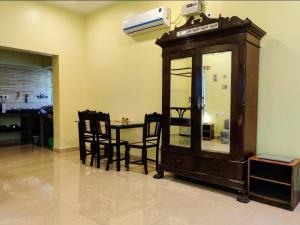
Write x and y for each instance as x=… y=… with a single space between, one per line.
x=215 y=102
x=180 y=102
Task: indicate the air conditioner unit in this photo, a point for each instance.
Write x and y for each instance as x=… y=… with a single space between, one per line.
x=147 y=21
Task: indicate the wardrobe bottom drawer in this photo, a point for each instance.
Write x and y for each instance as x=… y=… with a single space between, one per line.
x=178 y=161
x=222 y=168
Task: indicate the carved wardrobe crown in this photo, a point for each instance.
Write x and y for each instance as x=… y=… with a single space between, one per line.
x=205 y=26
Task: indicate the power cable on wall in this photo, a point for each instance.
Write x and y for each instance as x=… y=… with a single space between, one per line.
x=174 y=22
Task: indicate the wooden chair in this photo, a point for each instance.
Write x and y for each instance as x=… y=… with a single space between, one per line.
x=151 y=138
x=89 y=134
x=106 y=138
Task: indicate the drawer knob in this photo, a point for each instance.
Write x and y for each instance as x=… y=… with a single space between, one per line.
x=178 y=160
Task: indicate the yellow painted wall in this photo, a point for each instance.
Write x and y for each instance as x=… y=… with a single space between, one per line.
x=35 y=26
x=127 y=71
x=124 y=73
x=9 y=57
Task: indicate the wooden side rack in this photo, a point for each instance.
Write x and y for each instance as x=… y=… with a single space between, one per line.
x=273 y=182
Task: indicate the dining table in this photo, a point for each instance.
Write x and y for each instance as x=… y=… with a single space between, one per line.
x=117 y=126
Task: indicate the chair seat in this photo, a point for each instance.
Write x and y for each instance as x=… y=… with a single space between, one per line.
x=149 y=144
x=90 y=139
x=87 y=134
x=113 y=142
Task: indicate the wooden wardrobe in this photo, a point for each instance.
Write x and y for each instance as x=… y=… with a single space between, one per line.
x=210 y=84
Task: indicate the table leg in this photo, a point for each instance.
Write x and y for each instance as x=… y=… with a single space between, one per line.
x=81 y=147
x=118 y=149
x=41 y=132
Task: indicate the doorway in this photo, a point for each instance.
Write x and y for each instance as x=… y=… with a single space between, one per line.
x=27 y=97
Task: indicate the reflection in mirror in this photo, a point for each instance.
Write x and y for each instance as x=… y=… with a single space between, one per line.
x=216 y=94
x=180 y=88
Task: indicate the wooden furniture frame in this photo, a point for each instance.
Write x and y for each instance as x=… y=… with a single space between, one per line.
x=29 y=126
x=150 y=139
x=105 y=139
x=114 y=125
x=242 y=38
x=118 y=126
x=208 y=131
x=90 y=134
x=274 y=183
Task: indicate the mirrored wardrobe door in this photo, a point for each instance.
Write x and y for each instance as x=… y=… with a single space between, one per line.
x=215 y=102
x=180 y=102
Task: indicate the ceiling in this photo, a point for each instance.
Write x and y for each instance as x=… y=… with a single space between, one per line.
x=82 y=7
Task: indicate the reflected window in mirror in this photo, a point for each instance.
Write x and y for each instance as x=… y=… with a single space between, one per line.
x=215 y=104
x=180 y=102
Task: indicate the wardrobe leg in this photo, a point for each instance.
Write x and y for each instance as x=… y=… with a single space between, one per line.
x=243 y=197
x=160 y=174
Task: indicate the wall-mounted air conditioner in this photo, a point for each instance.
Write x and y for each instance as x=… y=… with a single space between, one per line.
x=147 y=21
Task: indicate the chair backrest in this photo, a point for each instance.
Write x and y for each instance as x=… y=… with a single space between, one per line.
x=104 y=126
x=152 y=127
x=88 y=121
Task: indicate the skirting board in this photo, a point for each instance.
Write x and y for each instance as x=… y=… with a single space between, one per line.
x=66 y=150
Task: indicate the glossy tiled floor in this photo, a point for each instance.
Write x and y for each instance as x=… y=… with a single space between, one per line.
x=39 y=187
